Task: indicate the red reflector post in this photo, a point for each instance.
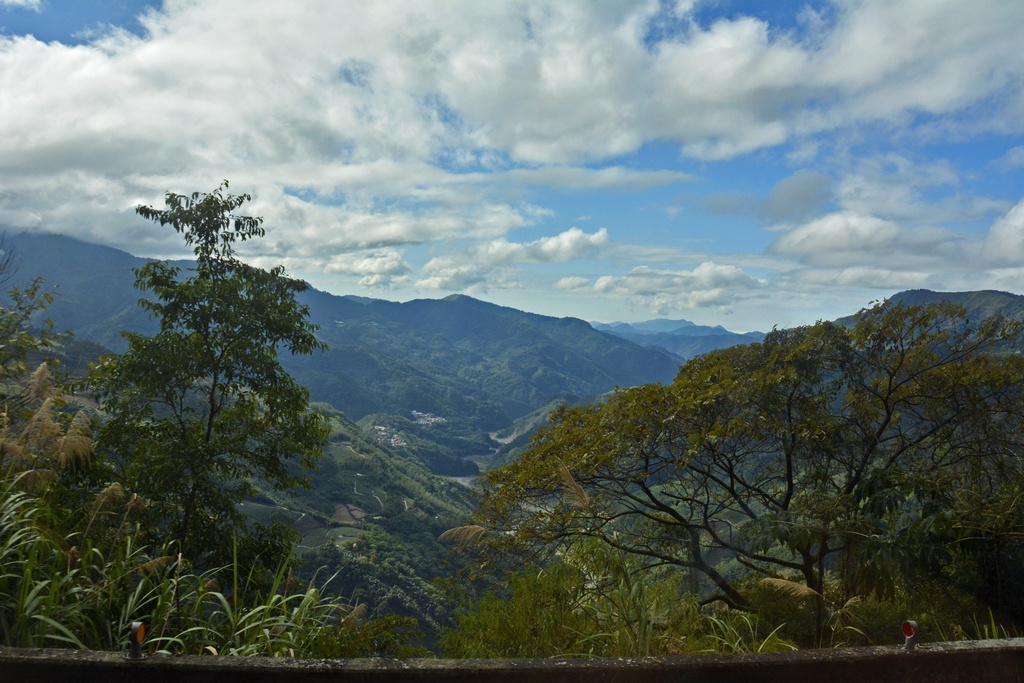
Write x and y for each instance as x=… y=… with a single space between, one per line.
x=138 y=634
x=910 y=632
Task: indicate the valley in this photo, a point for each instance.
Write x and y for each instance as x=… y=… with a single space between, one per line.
x=421 y=397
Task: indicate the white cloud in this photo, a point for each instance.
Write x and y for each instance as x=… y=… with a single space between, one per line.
x=382 y=281
x=380 y=80
x=847 y=249
x=846 y=238
x=566 y=246
x=897 y=188
x=1004 y=243
x=363 y=129
x=903 y=223
x=466 y=277
x=572 y=283
x=797 y=196
x=1014 y=158
x=709 y=284
x=488 y=265
x=864 y=277
x=895 y=59
x=608 y=178
x=375 y=263
x=25 y=4
x=837 y=233
x=213 y=85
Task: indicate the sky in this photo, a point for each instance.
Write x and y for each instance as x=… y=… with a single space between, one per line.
x=738 y=163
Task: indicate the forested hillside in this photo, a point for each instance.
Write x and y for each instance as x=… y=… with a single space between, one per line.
x=802 y=490
x=371 y=519
x=161 y=487
x=816 y=487
x=456 y=357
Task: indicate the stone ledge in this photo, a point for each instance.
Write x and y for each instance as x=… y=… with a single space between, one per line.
x=976 y=661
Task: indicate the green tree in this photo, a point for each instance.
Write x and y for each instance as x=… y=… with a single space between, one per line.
x=18 y=337
x=202 y=412
x=824 y=448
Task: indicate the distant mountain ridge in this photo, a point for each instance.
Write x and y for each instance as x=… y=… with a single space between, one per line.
x=651 y=326
x=451 y=356
x=680 y=337
x=979 y=304
x=456 y=355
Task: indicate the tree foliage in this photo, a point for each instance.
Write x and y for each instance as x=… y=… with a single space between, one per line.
x=18 y=340
x=201 y=412
x=856 y=450
x=74 y=567
x=595 y=601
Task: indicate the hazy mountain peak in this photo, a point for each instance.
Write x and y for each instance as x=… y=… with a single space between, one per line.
x=645 y=327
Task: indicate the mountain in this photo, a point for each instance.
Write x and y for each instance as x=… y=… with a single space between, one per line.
x=459 y=354
x=679 y=337
x=453 y=357
x=374 y=510
x=979 y=305
x=95 y=286
x=371 y=519
x=647 y=327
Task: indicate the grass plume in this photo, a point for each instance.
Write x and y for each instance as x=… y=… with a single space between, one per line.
x=463 y=535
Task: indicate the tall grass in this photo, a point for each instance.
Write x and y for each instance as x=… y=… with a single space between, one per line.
x=68 y=592
x=73 y=574
x=599 y=602
x=736 y=632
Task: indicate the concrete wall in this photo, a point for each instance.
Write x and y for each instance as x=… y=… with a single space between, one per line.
x=974 y=662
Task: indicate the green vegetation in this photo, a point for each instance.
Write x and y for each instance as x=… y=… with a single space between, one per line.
x=876 y=464
x=442 y=446
x=382 y=513
x=83 y=588
x=813 y=489
x=464 y=357
x=18 y=341
x=598 y=601
x=75 y=572
x=197 y=415
x=192 y=421
x=468 y=361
